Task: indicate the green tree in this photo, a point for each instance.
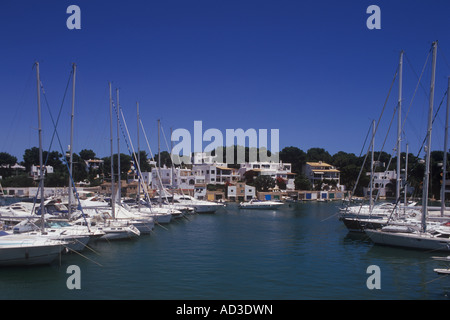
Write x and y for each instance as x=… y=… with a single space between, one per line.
x=318 y=154
x=87 y=154
x=143 y=161
x=6 y=161
x=165 y=159
x=53 y=158
x=264 y=183
x=302 y=183
x=295 y=156
x=125 y=165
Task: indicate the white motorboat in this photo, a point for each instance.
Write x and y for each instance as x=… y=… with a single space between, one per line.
x=25 y=250
x=260 y=204
x=200 y=206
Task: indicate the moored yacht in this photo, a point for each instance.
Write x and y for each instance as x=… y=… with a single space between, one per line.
x=200 y=206
x=25 y=250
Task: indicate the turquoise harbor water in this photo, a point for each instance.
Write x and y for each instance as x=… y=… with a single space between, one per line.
x=301 y=251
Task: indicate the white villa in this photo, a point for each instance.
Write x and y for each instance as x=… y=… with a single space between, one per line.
x=273 y=169
x=319 y=171
x=241 y=192
x=35 y=171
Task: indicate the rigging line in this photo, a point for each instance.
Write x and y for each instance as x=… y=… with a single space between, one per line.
x=151 y=154
x=134 y=155
x=438 y=278
x=70 y=249
x=376 y=128
x=443 y=56
x=423 y=143
x=423 y=69
x=417 y=86
x=171 y=155
x=41 y=85
x=434 y=118
x=387 y=134
x=55 y=132
x=365 y=140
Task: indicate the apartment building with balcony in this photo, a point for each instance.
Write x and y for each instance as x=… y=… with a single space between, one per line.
x=276 y=170
x=321 y=172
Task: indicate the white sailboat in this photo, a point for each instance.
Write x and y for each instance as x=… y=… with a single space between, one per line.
x=31 y=249
x=427 y=237
x=26 y=250
x=112 y=229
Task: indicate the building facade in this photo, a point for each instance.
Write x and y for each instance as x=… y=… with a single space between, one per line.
x=322 y=173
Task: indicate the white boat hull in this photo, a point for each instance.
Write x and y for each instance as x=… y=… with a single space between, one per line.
x=27 y=252
x=421 y=241
x=119 y=233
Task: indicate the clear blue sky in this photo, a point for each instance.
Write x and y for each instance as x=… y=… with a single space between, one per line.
x=311 y=69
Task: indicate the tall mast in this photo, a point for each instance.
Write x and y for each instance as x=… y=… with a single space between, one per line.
x=113 y=200
x=406 y=181
x=41 y=162
x=444 y=166
x=399 y=126
x=119 y=187
x=172 y=165
x=159 y=162
x=428 y=147
x=371 y=166
x=74 y=67
x=138 y=160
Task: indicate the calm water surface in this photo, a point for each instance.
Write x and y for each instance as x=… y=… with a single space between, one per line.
x=301 y=251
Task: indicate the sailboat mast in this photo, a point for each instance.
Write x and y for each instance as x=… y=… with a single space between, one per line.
x=112 y=155
x=399 y=125
x=119 y=187
x=138 y=160
x=371 y=166
x=41 y=162
x=159 y=161
x=406 y=175
x=74 y=67
x=444 y=165
x=428 y=147
x=172 y=165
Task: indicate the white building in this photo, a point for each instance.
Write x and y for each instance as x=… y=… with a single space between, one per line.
x=241 y=192
x=384 y=184
x=276 y=170
x=36 y=171
x=318 y=172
